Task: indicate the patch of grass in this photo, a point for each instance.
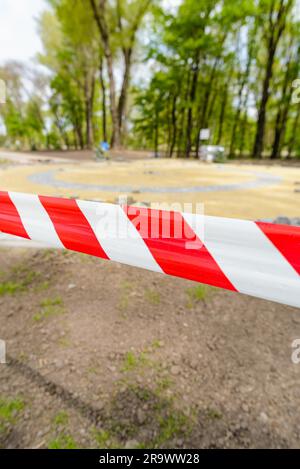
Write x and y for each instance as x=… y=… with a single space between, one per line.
x=214 y=414
x=92 y=370
x=156 y=344
x=9 y=409
x=126 y=288
x=64 y=342
x=174 y=424
x=61 y=418
x=123 y=303
x=51 y=302
x=104 y=439
x=162 y=422
x=23 y=277
x=43 y=286
x=63 y=441
x=49 y=307
x=126 y=285
x=152 y=296
x=198 y=293
x=10 y=288
x=132 y=361
x=163 y=383
x=26 y=275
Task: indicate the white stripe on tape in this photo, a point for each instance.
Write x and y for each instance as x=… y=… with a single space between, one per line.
x=35 y=219
x=249 y=259
x=116 y=234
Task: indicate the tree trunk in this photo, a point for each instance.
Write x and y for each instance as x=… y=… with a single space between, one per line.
x=180 y=146
x=222 y=114
x=275 y=29
x=99 y=15
x=156 y=128
x=294 y=133
x=261 y=121
x=124 y=89
x=240 y=97
x=174 y=126
x=103 y=89
x=89 y=102
x=189 y=128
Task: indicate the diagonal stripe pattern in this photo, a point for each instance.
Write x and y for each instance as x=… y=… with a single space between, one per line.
x=258 y=259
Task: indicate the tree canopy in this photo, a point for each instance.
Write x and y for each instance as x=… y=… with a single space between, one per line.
x=140 y=74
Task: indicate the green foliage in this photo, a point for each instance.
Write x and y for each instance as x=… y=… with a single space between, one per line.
x=9 y=411
x=197 y=294
x=213 y=64
x=9 y=408
x=152 y=297
x=61 y=418
x=133 y=361
x=49 y=307
x=63 y=441
x=10 y=288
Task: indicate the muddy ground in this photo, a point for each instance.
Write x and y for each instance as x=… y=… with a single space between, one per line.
x=102 y=355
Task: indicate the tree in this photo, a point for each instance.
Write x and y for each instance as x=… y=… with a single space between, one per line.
x=273 y=15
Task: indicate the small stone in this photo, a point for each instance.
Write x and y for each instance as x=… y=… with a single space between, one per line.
x=111 y=368
x=283 y=220
x=131 y=444
x=193 y=363
x=296 y=317
x=263 y=417
x=141 y=416
x=175 y=370
x=71 y=286
x=245 y=408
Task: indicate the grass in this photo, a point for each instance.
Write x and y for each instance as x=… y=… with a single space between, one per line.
x=23 y=278
x=43 y=286
x=175 y=424
x=49 y=307
x=132 y=361
x=152 y=296
x=214 y=414
x=105 y=439
x=163 y=422
x=10 y=288
x=9 y=409
x=197 y=294
x=64 y=342
x=27 y=275
x=63 y=441
x=126 y=289
x=163 y=383
x=61 y=418
x=166 y=422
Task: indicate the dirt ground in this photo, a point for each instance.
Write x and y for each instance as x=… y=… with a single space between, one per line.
x=102 y=355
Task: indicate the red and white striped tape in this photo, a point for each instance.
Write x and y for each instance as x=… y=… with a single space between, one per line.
x=259 y=259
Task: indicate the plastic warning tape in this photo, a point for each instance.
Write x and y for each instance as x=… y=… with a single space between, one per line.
x=258 y=259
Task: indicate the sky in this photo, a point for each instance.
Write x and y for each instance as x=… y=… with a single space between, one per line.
x=18 y=29
x=19 y=39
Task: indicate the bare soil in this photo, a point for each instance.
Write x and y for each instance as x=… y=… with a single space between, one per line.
x=104 y=355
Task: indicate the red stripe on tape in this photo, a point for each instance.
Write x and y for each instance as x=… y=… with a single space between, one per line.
x=175 y=246
x=286 y=239
x=10 y=221
x=71 y=226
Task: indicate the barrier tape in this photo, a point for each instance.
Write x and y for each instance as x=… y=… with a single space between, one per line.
x=258 y=259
